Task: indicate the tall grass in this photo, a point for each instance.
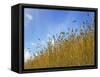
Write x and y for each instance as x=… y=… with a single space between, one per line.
x=73 y=48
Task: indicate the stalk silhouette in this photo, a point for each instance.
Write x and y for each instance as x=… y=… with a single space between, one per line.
x=73 y=48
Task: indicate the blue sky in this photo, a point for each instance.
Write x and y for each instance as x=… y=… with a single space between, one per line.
x=39 y=24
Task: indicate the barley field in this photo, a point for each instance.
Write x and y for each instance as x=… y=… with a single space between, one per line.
x=65 y=49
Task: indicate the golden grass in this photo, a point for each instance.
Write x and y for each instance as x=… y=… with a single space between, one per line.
x=75 y=48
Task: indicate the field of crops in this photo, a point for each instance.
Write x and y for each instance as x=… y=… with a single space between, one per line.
x=73 y=48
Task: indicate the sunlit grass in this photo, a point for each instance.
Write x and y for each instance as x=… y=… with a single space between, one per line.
x=73 y=48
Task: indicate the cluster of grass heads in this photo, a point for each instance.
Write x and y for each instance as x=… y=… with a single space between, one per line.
x=73 y=48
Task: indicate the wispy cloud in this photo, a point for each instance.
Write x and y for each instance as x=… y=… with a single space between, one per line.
x=33 y=44
x=38 y=45
x=29 y=16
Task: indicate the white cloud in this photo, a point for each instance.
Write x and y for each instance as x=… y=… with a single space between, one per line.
x=52 y=42
x=50 y=36
x=27 y=54
x=33 y=44
x=29 y=16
